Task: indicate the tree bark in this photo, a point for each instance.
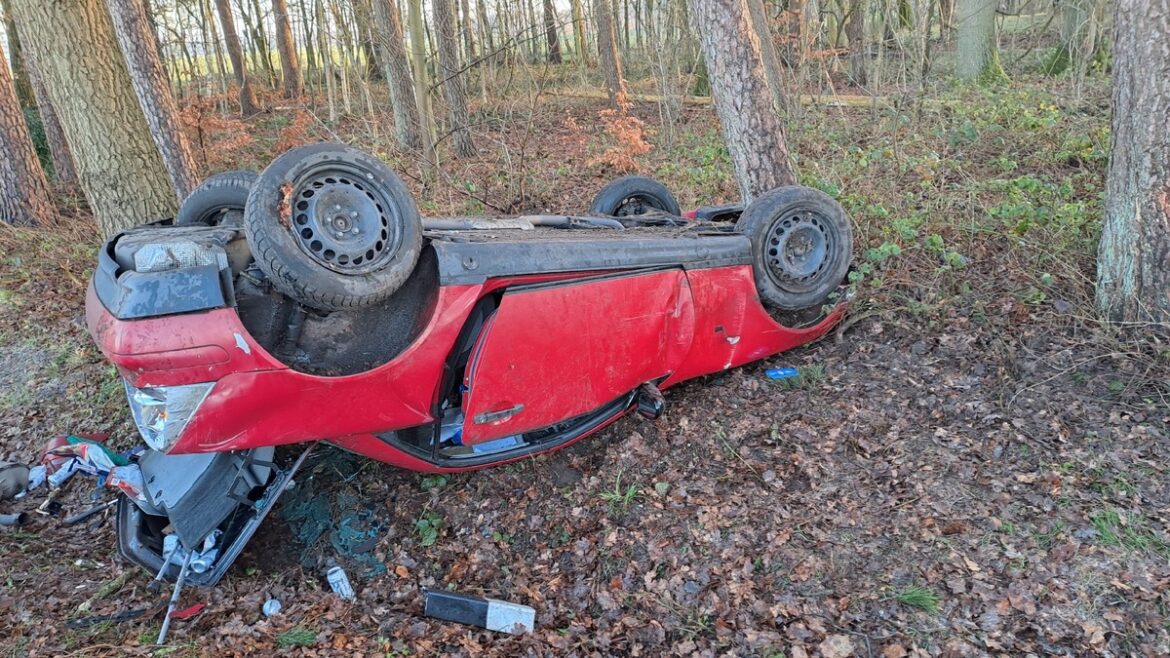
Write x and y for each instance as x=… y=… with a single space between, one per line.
x=290 y=63
x=855 y=33
x=468 y=31
x=396 y=64
x=20 y=74
x=24 y=192
x=418 y=57
x=154 y=93
x=579 y=31
x=978 y=51
x=753 y=132
x=449 y=68
x=1133 y=261
x=769 y=56
x=63 y=170
x=118 y=165
x=611 y=62
x=249 y=104
x=550 y=32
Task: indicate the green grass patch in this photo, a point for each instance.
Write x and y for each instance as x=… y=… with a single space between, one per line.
x=918 y=597
x=296 y=637
x=1128 y=533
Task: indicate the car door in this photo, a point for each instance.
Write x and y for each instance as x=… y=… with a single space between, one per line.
x=552 y=352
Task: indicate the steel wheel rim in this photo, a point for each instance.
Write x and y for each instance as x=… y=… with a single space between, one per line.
x=801 y=245
x=342 y=220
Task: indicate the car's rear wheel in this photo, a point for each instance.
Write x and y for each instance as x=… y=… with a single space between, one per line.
x=629 y=196
x=802 y=241
x=219 y=200
x=333 y=227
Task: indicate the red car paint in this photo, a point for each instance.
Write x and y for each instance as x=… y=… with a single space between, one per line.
x=548 y=353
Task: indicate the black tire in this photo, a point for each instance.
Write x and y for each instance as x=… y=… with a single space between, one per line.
x=332 y=227
x=634 y=195
x=218 y=200
x=794 y=275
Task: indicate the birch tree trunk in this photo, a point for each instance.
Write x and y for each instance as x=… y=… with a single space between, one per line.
x=290 y=63
x=249 y=104
x=752 y=130
x=449 y=68
x=978 y=54
x=24 y=192
x=1133 y=261
x=154 y=93
x=611 y=62
x=118 y=164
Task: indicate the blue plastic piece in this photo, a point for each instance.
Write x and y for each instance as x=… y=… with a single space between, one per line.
x=781 y=373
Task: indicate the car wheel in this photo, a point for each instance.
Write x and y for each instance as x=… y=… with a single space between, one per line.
x=802 y=241
x=634 y=195
x=333 y=227
x=219 y=200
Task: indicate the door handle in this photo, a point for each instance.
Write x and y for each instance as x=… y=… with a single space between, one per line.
x=495 y=416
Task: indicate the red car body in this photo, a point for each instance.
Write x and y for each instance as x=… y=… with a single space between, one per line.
x=626 y=328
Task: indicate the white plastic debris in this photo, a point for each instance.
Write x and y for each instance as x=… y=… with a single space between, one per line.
x=271 y=607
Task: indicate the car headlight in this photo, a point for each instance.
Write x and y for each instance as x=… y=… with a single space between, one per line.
x=161 y=412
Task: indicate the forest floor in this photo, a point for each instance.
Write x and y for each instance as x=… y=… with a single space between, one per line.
x=972 y=465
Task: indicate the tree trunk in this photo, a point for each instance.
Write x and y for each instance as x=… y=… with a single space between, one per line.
x=855 y=33
x=978 y=51
x=579 y=31
x=1133 y=261
x=418 y=57
x=485 y=36
x=20 y=75
x=449 y=68
x=392 y=49
x=550 y=32
x=249 y=105
x=290 y=65
x=63 y=170
x=769 y=56
x=119 y=166
x=154 y=94
x=752 y=130
x=468 y=30
x=611 y=62
x=24 y=192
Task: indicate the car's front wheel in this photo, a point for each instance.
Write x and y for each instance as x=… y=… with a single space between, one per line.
x=802 y=241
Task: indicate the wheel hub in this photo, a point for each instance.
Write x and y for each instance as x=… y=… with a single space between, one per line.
x=798 y=249
x=636 y=205
x=342 y=223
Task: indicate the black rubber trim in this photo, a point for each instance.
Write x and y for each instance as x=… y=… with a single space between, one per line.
x=725 y=213
x=130 y=295
x=475 y=262
x=579 y=426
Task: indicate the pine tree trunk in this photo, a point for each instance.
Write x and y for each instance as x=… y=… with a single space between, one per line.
x=611 y=62
x=449 y=69
x=1133 y=261
x=290 y=64
x=154 y=93
x=249 y=104
x=550 y=32
x=395 y=62
x=24 y=192
x=768 y=54
x=752 y=130
x=978 y=51
x=63 y=170
x=20 y=75
x=118 y=164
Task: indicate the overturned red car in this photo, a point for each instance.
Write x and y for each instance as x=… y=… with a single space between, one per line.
x=311 y=302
